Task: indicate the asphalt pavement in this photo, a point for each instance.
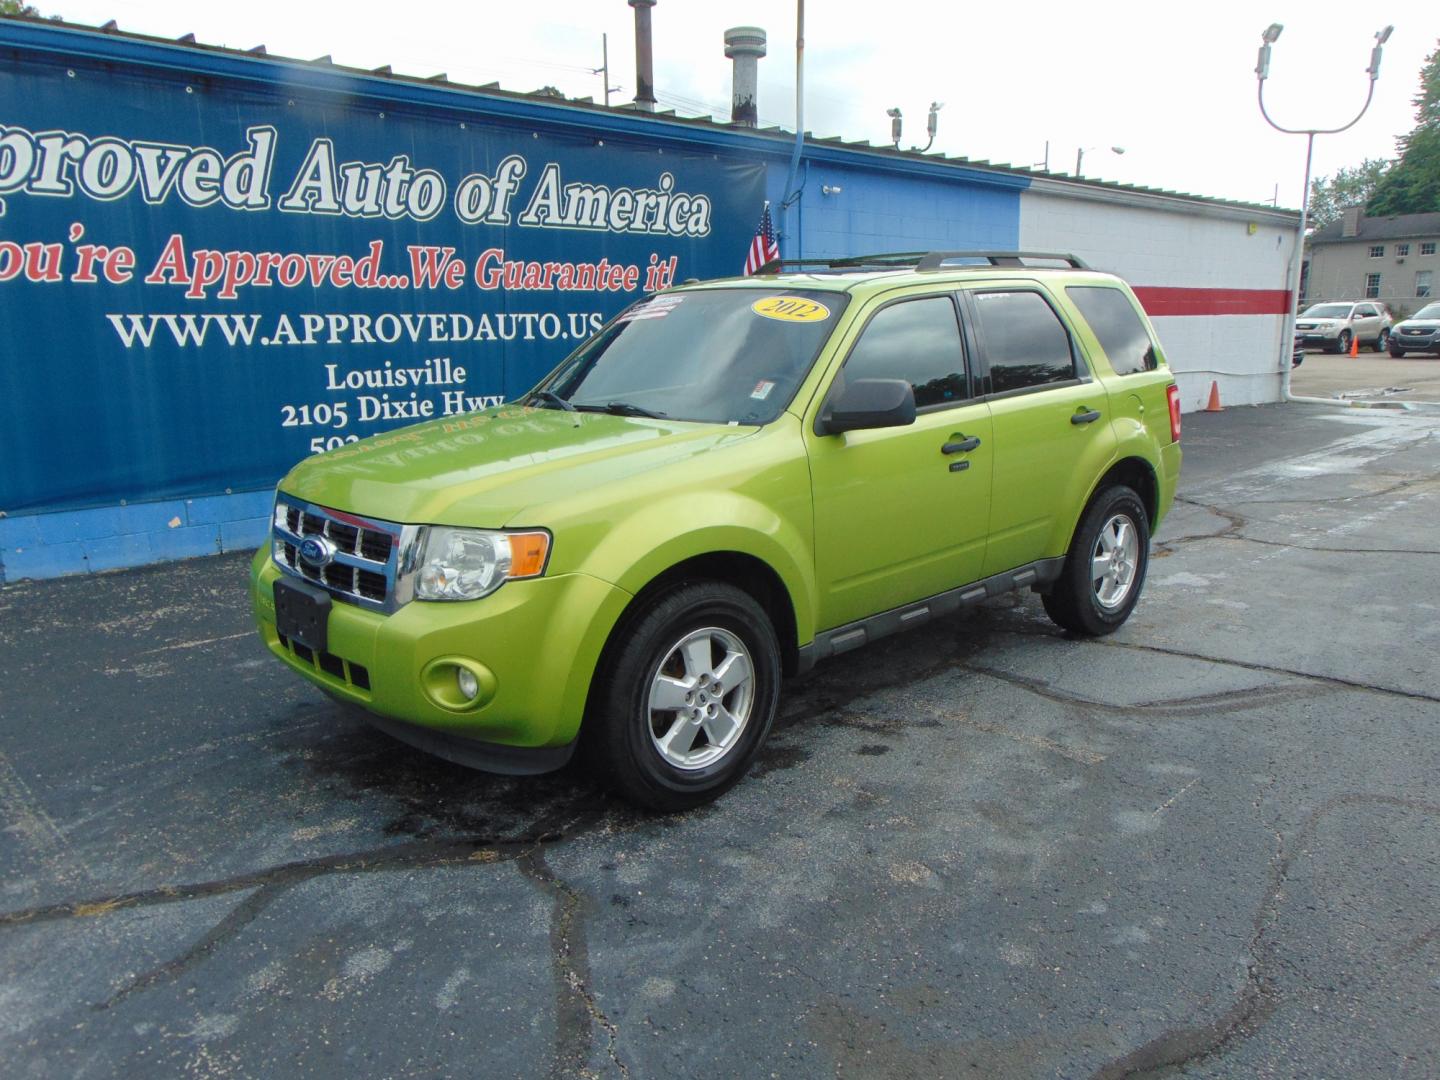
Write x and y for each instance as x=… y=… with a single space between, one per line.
x=1206 y=846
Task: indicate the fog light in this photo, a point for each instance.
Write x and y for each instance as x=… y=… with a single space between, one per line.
x=458 y=683
x=469 y=685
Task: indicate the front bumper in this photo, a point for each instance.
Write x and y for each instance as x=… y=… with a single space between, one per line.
x=1425 y=339
x=539 y=640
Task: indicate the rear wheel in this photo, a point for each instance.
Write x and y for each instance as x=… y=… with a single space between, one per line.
x=1383 y=341
x=685 y=697
x=1105 y=567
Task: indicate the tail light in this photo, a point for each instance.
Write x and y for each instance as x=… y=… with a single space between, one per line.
x=1172 y=395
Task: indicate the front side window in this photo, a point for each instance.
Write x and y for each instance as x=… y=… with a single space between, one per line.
x=1122 y=335
x=1025 y=342
x=914 y=340
x=1372 y=285
x=711 y=355
x=1365 y=311
x=1377 y=251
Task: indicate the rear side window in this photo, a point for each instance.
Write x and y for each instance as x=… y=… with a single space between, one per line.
x=918 y=341
x=1122 y=335
x=1024 y=340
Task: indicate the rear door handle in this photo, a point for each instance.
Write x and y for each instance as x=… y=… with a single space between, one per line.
x=964 y=446
x=1089 y=416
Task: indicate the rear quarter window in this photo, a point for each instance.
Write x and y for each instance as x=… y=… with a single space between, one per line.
x=1117 y=326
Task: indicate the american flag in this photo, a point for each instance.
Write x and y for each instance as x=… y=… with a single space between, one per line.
x=764 y=247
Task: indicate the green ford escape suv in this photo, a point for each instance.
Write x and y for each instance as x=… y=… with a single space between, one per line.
x=727 y=483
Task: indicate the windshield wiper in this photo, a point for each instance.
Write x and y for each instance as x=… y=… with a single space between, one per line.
x=621 y=408
x=550 y=398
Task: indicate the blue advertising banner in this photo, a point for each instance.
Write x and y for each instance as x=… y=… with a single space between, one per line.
x=202 y=282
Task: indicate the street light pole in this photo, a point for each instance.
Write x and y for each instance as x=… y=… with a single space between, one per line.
x=1080 y=156
x=1262 y=72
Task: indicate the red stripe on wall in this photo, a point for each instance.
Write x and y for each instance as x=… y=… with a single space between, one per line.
x=1164 y=300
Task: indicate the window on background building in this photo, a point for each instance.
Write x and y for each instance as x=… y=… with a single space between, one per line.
x=1427 y=247
x=1402 y=249
x=1377 y=251
x=1422 y=282
x=1372 y=286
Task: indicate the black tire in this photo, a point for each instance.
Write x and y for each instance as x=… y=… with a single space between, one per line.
x=1075 y=601
x=621 y=730
x=1342 y=343
x=1382 y=342
x=1396 y=351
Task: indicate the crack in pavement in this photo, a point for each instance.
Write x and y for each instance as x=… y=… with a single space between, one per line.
x=576 y=1012
x=1225 y=701
x=1331 y=680
x=416 y=855
x=1258 y=997
x=273 y=882
x=1238 y=522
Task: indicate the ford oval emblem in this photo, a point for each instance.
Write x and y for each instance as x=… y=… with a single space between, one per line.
x=316 y=551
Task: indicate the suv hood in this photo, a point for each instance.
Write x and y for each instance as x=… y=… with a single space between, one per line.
x=483 y=468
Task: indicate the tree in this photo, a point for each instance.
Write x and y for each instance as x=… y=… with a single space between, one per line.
x=14 y=7
x=1329 y=195
x=1413 y=185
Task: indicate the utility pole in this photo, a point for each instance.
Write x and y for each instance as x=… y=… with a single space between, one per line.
x=604 y=69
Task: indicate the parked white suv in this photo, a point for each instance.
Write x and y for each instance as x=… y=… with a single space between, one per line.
x=1332 y=326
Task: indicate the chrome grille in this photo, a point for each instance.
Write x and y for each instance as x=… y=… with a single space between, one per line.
x=367 y=554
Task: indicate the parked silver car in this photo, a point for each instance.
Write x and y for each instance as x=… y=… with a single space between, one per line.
x=1333 y=325
x=1419 y=333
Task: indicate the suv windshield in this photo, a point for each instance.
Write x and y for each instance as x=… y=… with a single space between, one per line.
x=1429 y=311
x=1327 y=311
x=713 y=355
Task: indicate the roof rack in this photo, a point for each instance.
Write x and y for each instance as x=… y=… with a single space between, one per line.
x=934 y=260
x=926 y=260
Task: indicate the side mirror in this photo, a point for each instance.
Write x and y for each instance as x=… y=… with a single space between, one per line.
x=868 y=403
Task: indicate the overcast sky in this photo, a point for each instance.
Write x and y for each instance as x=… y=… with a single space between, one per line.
x=1173 y=84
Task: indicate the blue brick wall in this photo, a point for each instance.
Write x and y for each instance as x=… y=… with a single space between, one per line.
x=876 y=210
x=107 y=538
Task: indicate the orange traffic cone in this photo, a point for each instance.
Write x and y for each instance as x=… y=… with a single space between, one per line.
x=1214 y=405
x=1354 y=346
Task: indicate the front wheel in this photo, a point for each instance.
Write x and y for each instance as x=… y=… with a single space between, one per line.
x=1105 y=567
x=1342 y=343
x=1397 y=352
x=1383 y=341
x=684 y=697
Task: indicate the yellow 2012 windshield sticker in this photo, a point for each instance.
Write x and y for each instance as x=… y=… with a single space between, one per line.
x=791 y=309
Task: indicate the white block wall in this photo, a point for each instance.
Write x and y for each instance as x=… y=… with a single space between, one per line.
x=1158 y=241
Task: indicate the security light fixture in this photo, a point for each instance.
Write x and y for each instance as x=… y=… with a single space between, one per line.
x=895 y=122
x=1272 y=33
x=1381 y=36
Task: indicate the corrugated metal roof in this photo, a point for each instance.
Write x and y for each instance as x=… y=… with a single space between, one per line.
x=547 y=96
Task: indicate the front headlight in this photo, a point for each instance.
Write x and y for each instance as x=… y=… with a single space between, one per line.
x=466 y=564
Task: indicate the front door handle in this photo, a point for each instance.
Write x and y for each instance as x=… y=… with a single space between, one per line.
x=964 y=445
x=1089 y=416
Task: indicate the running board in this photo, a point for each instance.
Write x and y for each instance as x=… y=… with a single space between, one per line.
x=908 y=616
